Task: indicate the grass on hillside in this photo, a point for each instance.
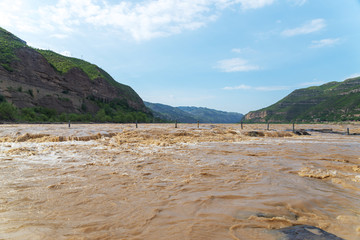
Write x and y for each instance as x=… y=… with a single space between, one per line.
x=8 y=44
x=116 y=112
x=63 y=64
x=333 y=101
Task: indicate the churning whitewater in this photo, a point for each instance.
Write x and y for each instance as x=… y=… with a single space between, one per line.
x=112 y=181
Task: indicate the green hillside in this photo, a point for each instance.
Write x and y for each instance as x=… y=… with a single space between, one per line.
x=8 y=44
x=63 y=64
x=334 y=101
x=27 y=95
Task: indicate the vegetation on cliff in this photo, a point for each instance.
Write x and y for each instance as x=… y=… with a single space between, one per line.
x=333 y=101
x=63 y=64
x=8 y=44
x=108 y=112
x=22 y=99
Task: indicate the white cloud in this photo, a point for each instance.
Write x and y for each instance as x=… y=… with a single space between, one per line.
x=141 y=20
x=252 y=4
x=260 y=88
x=325 y=42
x=248 y=4
x=309 y=27
x=245 y=4
x=236 y=65
x=246 y=50
x=59 y=36
x=17 y=14
x=237 y=50
x=240 y=87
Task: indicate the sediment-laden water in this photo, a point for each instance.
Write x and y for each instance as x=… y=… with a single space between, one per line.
x=156 y=182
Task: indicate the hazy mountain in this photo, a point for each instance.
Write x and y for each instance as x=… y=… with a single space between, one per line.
x=193 y=114
x=169 y=113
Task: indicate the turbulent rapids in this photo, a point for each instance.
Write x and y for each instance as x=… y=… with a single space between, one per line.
x=113 y=181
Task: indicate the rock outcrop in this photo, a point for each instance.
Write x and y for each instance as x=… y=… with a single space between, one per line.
x=28 y=79
x=301 y=232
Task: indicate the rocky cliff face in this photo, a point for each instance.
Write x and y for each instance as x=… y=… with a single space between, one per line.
x=257 y=116
x=33 y=81
x=334 y=101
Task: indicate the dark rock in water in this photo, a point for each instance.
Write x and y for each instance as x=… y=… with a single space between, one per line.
x=325 y=130
x=267 y=215
x=301 y=132
x=255 y=134
x=307 y=232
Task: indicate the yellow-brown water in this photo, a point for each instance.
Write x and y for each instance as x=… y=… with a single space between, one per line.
x=157 y=182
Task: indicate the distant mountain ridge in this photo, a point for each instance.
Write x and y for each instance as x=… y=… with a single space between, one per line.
x=193 y=114
x=333 y=101
x=41 y=85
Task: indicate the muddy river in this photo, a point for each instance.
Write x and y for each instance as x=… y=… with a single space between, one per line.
x=113 y=181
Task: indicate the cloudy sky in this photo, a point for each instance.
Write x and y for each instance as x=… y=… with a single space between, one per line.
x=231 y=55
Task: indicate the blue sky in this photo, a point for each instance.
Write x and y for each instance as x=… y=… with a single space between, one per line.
x=231 y=55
